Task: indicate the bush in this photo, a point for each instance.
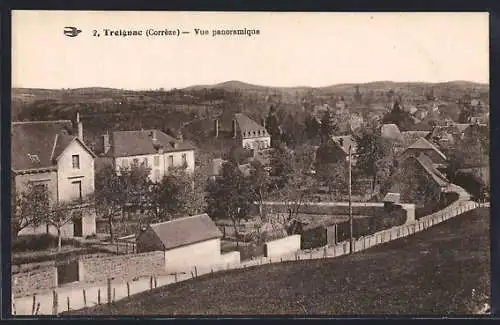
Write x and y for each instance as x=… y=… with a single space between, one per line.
x=40 y=242
x=312 y=238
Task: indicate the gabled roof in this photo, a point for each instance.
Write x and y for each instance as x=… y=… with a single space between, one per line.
x=140 y=142
x=248 y=127
x=186 y=231
x=34 y=143
x=344 y=141
x=423 y=143
x=428 y=166
x=409 y=137
x=390 y=131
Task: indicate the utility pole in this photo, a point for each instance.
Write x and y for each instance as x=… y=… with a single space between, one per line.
x=350 y=204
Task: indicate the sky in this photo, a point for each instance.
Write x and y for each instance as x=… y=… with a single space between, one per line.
x=292 y=49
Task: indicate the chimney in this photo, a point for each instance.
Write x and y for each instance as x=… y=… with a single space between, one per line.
x=154 y=136
x=80 y=126
x=264 y=122
x=180 y=137
x=106 y=144
x=234 y=128
x=341 y=141
x=216 y=128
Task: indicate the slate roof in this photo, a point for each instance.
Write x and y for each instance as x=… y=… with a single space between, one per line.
x=410 y=137
x=428 y=166
x=244 y=125
x=140 y=142
x=186 y=231
x=36 y=144
x=392 y=197
x=423 y=143
x=344 y=141
x=248 y=127
x=390 y=131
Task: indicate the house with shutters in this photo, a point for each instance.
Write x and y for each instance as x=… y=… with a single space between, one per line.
x=150 y=148
x=243 y=130
x=49 y=155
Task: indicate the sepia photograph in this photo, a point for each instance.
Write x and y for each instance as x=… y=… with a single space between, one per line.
x=171 y=163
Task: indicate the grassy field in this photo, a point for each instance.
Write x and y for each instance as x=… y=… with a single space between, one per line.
x=432 y=272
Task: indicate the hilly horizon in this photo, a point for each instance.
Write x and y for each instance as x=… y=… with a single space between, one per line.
x=241 y=85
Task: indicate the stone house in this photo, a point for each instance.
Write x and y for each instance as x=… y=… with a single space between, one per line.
x=150 y=148
x=51 y=156
x=243 y=130
x=424 y=146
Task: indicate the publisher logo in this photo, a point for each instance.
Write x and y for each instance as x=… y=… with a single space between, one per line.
x=71 y=31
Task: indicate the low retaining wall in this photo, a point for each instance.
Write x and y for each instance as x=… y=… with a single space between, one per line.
x=121 y=266
x=231 y=258
x=282 y=246
x=34 y=281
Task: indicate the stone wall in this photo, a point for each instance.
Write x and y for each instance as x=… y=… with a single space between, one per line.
x=33 y=281
x=283 y=246
x=121 y=267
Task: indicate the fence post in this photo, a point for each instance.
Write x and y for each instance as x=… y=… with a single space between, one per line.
x=192 y=275
x=324 y=252
x=67 y=299
x=310 y=255
x=54 y=302
x=84 y=298
x=175 y=276
x=37 y=308
x=195 y=271
x=126 y=247
x=99 y=296
x=128 y=289
x=34 y=305
x=117 y=248
x=156 y=281
x=109 y=291
x=151 y=282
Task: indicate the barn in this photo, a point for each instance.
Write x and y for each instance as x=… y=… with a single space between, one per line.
x=186 y=242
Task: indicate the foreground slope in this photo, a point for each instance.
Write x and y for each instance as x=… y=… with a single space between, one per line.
x=432 y=272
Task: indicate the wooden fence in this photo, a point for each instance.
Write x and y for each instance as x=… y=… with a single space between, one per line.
x=77 y=298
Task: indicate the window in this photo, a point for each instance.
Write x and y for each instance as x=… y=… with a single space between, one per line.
x=145 y=162
x=136 y=162
x=76 y=161
x=184 y=160
x=41 y=192
x=77 y=189
x=170 y=161
x=157 y=161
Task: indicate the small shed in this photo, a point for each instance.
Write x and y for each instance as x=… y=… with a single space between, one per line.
x=188 y=241
x=391 y=199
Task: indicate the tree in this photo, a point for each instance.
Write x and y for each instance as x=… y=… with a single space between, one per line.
x=115 y=191
x=177 y=194
x=312 y=127
x=331 y=166
x=29 y=207
x=295 y=193
x=374 y=153
x=62 y=213
x=230 y=197
x=272 y=126
x=327 y=127
x=260 y=183
x=399 y=117
x=281 y=165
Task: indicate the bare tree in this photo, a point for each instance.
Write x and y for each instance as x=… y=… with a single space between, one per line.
x=29 y=207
